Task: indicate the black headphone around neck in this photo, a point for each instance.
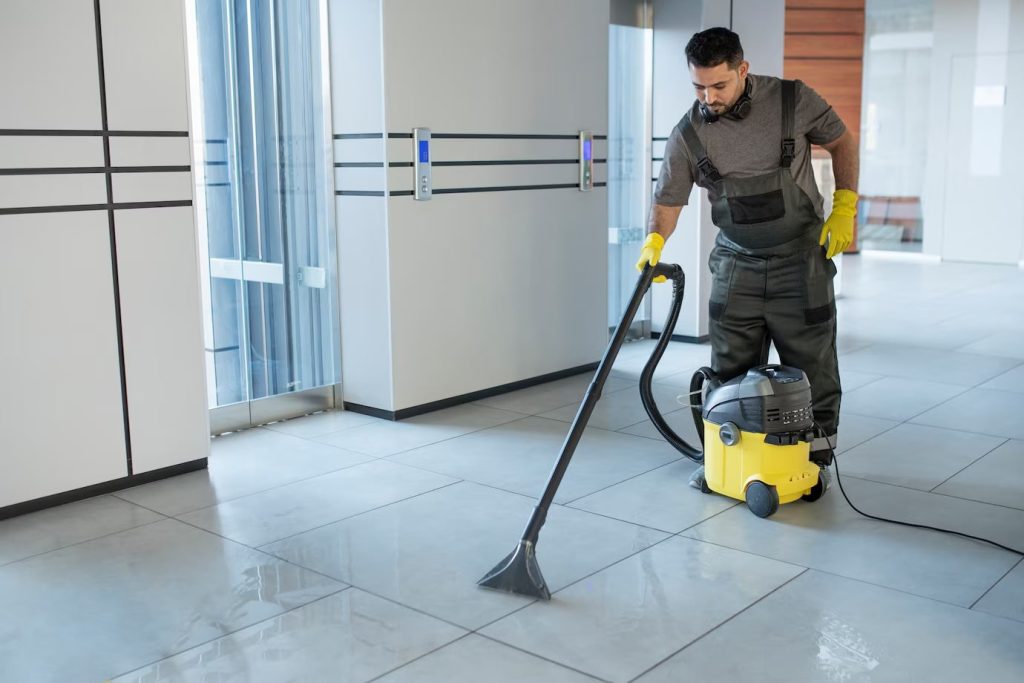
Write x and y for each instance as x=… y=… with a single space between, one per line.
x=738 y=111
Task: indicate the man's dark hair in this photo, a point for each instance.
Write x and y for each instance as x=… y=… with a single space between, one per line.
x=714 y=46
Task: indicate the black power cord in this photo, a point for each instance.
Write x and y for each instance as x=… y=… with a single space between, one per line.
x=839 y=480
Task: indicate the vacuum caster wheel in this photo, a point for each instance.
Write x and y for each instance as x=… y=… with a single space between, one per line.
x=818 y=490
x=763 y=500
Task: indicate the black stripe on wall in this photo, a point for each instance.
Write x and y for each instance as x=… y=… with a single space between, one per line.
x=57 y=132
x=503 y=162
x=461 y=190
x=94 y=207
x=466 y=136
x=74 y=170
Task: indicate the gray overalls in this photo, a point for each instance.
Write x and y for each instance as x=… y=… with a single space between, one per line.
x=771 y=281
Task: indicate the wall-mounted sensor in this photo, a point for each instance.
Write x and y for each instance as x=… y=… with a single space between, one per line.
x=422 y=189
x=586 y=161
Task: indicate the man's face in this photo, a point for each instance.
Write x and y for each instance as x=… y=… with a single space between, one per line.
x=719 y=86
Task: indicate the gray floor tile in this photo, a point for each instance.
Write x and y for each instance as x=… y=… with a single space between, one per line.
x=383 y=438
x=430 y=551
x=321 y=423
x=473 y=659
x=851 y=379
x=916 y=456
x=1008 y=381
x=661 y=499
x=997 y=478
x=841 y=630
x=948 y=367
x=856 y=429
x=679 y=421
x=46 y=530
x=241 y=464
x=1004 y=344
x=676 y=366
x=830 y=536
x=551 y=395
x=996 y=522
x=347 y=637
x=896 y=398
x=630 y=616
x=620 y=409
x=116 y=603
x=288 y=510
x=986 y=411
x=519 y=456
x=1006 y=599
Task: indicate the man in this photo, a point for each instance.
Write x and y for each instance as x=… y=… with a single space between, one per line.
x=747 y=139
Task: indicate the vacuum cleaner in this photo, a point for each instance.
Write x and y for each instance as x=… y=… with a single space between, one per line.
x=759 y=427
x=755 y=430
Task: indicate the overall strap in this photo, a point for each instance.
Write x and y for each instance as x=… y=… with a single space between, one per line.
x=788 y=123
x=706 y=169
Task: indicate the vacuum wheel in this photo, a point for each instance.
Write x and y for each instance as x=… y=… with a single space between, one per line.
x=762 y=499
x=818 y=490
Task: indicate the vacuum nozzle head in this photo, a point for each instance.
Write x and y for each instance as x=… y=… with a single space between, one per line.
x=518 y=573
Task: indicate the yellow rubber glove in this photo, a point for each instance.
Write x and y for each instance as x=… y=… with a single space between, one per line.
x=838 y=229
x=651 y=253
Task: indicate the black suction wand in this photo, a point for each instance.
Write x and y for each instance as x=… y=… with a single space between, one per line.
x=519 y=572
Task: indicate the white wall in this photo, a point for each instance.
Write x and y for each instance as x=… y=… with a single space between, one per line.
x=972 y=205
x=761 y=27
x=357 y=93
x=62 y=423
x=482 y=288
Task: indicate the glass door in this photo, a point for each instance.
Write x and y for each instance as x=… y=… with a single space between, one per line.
x=630 y=56
x=262 y=150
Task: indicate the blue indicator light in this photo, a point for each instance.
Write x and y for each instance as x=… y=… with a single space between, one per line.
x=587 y=156
x=424 y=151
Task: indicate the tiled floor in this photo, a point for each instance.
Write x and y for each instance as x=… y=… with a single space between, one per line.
x=338 y=547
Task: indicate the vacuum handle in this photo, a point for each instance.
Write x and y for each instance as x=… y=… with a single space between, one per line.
x=579 y=423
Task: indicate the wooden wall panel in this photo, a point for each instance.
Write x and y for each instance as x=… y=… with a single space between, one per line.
x=843 y=45
x=825 y=4
x=825 y=49
x=824 y=20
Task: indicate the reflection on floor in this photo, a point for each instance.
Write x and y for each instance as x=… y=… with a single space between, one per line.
x=338 y=547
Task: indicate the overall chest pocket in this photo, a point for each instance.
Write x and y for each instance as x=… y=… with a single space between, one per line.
x=757 y=208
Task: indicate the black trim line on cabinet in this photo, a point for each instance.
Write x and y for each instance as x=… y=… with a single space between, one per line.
x=59 y=132
x=467 y=398
x=19 y=210
x=75 y=170
x=100 y=489
x=104 y=122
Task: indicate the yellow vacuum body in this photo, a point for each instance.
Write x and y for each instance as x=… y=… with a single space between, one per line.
x=758 y=430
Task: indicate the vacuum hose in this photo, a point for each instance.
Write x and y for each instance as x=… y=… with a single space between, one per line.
x=696 y=384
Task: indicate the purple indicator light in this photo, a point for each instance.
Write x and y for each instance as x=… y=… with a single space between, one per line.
x=587 y=156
